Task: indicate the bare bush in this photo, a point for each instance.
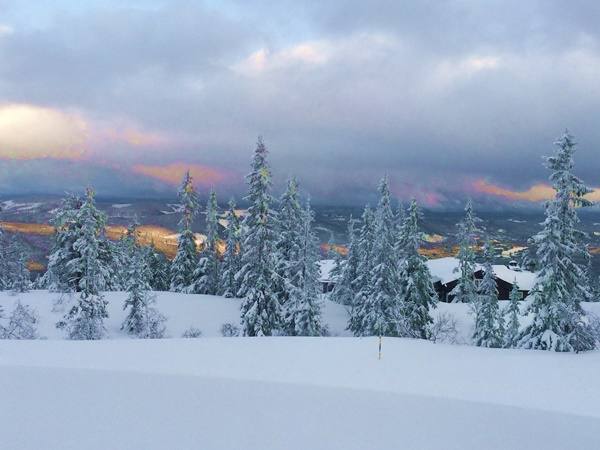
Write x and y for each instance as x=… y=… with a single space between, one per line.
x=444 y=329
x=192 y=333
x=230 y=330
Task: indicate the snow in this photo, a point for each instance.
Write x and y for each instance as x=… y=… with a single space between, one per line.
x=444 y=270
x=525 y=279
x=206 y=312
x=121 y=205
x=326 y=266
x=10 y=205
x=286 y=393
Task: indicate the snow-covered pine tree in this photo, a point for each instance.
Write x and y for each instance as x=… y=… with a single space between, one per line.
x=344 y=291
x=401 y=239
x=489 y=329
x=186 y=259
x=206 y=275
x=159 y=267
x=302 y=310
x=143 y=319
x=261 y=313
x=417 y=293
x=513 y=312
x=362 y=282
x=232 y=257
x=288 y=244
x=466 y=290
x=338 y=261
x=85 y=319
x=381 y=306
x=57 y=277
x=20 y=277
x=559 y=322
x=121 y=253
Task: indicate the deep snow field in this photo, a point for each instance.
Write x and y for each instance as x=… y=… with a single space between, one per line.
x=286 y=393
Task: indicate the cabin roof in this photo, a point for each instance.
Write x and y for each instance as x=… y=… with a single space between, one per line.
x=525 y=279
x=326 y=266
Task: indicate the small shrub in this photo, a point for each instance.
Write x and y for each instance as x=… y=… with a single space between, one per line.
x=230 y=330
x=22 y=323
x=444 y=329
x=192 y=333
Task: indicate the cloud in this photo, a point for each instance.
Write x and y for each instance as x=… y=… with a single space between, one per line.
x=33 y=132
x=5 y=30
x=536 y=193
x=434 y=93
x=173 y=173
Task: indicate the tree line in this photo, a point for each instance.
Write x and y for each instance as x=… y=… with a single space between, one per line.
x=270 y=259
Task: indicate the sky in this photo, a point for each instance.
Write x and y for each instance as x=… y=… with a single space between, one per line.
x=450 y=99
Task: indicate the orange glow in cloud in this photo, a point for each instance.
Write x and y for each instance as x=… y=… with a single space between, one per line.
x=536 y=193
x=31 y=132
x=173 y=173
x=134 y=137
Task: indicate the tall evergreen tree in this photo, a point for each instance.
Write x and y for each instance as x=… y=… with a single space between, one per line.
x=417 y=294
x=159 y=267
x=57 y=277
x=362 y=283
x=344 y=290
x=232 y=257
x=143 y=319
x=19 y=275
x=513 y=312
x=122 y=252
x=185 y=262
x=260 y=311
x=206 y=275
x=489 y=330
x=288 y=243
x=381 y=308
x=85 y=319
x=302 y=309
x=466 y=290
x=559 y=322
x=401 y=233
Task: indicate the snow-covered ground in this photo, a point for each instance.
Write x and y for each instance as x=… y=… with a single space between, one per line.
x=286 y=393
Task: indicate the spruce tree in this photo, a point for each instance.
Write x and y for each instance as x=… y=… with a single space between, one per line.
x=466 y=290
x=232 y=257
x=288 y=243
x=513 y=312
x=362 y=283
x=18 y=277
x=417 y=293
x=489 y=331
x=143 y=319
x=58 y=278
x=344 y=290
x=559 y=322
x=260 y=310
x=159 y=267
x=206 y=275
x=380 y=306
x=85 y=319
x=302 y=310
x=185 y=262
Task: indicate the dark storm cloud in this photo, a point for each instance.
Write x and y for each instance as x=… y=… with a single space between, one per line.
x=436 y=94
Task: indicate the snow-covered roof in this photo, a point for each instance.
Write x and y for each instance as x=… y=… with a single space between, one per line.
x=326 y=266
x=525 y=279
x=443 y=269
